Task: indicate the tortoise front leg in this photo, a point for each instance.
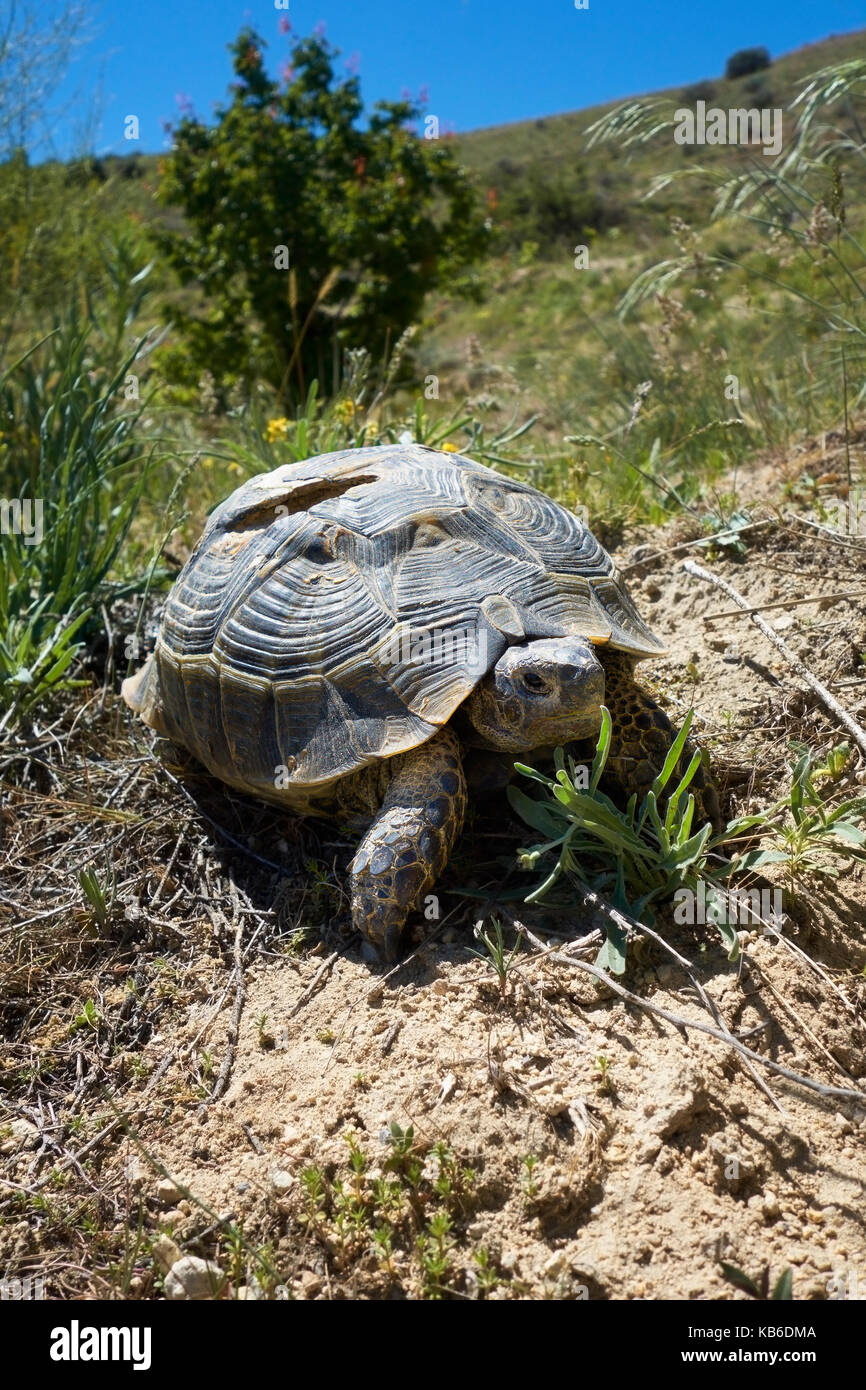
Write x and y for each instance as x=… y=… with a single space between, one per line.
x=640 y=739
x=407 y=846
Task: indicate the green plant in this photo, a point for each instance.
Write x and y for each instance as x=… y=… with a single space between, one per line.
x=747 y=60
x=101 y=899
x=605 y=1080
x=407 y=1214
x=791 y=215
x=72 y=461
x=806 y=834
x=496 y=954
x=434 y=1249
x=636 y=857
x=782 y=1289
x=89 y=1017
x=330 y=229
x=530 y=1185
x=486 y=1272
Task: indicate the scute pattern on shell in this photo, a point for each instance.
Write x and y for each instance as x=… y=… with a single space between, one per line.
x=281 y=643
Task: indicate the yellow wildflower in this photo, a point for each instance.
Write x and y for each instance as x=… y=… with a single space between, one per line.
x=450 y=448
x=276 y=429
x=345 y=411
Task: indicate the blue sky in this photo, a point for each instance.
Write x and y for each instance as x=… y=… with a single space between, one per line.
x=484 y=62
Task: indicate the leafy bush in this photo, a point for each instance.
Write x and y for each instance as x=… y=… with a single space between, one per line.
x=370 y=219
x=747 y=60
x=552 y=206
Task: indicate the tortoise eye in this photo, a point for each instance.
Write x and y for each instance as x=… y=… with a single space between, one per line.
x=536 y=684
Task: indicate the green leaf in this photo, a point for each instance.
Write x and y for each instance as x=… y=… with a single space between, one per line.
x=732 y=941
x=757 y=858
x=783 y=1290
x=740 y=1279
x=539 y=816
x=674 y=755
x=846 y=831
x=602 y=750
x=612 y=955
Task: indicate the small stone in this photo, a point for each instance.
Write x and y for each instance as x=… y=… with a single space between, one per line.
x=555 y=1267
x=770 y=1209
x=843 y=1124
x=251 y=1292
x=649 y=1150
x=166 y=1252
x=282 y=1180
x=193 y=1279
x=168 y=1192
x=22 y=1135
x=310 y=1284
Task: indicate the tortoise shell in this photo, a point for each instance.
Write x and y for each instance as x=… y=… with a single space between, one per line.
x=338 y=611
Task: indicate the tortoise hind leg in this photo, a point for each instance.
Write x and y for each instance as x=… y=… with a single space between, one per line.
x=408 y=844
x=641 y=737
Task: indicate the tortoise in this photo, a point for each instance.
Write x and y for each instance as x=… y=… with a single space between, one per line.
x=352 y=632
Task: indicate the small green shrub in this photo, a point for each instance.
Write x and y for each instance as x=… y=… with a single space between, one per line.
x=747 y=60
x=307 y=230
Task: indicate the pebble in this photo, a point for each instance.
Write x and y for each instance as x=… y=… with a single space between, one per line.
x=22 y=1135
x=282 y=1180
x=770 y=1208
x=191 y=1278
x=168 y=1192
x=556 y=1266
x=165 y=1252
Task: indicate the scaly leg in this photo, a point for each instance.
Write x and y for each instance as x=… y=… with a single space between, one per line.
x=407 y=846
x=642 y=735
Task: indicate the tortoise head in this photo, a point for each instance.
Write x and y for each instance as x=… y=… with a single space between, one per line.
x=539 y=693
